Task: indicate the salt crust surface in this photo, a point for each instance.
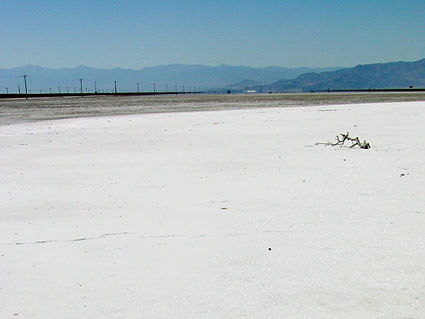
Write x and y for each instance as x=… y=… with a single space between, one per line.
x=172 y=215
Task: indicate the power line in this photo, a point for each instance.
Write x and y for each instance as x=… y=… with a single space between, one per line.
x=26 y=88
x=81 y=87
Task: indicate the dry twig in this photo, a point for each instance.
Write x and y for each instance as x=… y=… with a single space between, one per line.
x=342 y=138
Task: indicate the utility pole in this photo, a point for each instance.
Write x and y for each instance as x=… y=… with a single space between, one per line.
x=7 y=90
x=115 y=85
x=19 y=89
x=154 y=88
x=26 y=88
x=95 y=87
x=138 y=88
x=81 y=87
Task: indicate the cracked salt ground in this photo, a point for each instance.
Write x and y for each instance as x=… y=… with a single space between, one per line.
x=305 y=233
x=48 y=241
x=135 y=236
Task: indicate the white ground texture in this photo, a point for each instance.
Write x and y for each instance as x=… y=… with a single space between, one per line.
x=172 y=215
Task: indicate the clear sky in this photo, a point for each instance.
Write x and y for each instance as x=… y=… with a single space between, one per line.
x=135 y=34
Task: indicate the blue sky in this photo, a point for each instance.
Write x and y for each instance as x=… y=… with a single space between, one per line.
x=135 y=34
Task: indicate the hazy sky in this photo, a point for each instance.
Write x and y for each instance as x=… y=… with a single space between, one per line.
x=134 y=34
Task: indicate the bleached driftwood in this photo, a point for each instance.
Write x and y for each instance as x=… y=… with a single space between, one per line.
x=342 y=138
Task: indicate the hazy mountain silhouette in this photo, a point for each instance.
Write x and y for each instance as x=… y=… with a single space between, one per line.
x=381 y=75
x=164 y=76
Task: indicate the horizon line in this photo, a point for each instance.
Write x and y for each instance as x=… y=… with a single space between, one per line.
x=199 y=64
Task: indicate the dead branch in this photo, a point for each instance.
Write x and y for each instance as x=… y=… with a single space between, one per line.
x=342 y=138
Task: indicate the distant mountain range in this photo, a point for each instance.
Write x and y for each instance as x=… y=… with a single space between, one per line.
x=165 y=77
x=201 y=77
x=370 y=76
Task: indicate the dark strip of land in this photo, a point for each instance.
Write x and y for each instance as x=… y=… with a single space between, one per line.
x=38 y=95
x=375 y=90
x=20 y=110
